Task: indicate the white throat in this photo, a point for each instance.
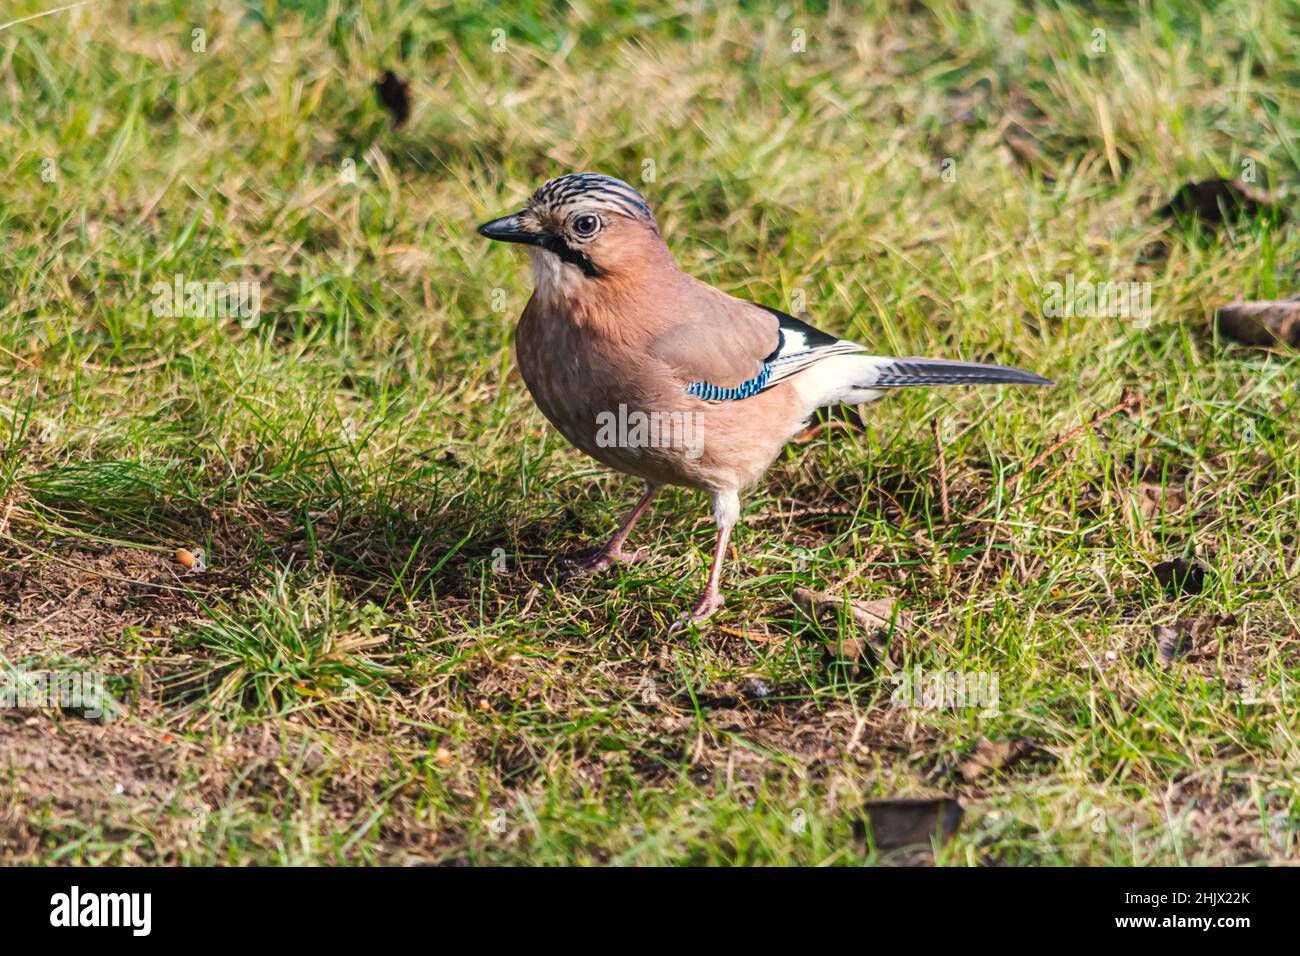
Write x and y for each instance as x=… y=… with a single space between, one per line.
x=553 y=278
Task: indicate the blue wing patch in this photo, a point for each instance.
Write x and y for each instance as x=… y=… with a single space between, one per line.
x=798 y=346
x=716 y=393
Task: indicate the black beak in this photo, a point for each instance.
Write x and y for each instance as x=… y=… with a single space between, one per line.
x=512 y=229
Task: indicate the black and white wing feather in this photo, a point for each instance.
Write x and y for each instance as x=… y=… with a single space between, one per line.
x=801 y=346
x=842 y=371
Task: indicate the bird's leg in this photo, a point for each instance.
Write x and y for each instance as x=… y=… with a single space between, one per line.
x=612 y=553
x=726 y=509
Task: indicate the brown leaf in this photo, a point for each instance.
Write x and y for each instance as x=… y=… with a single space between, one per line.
x=909 y=821
x=1264 y=323
x=1180 y=576
x=1214 y=200
x=988 y=755
x=394 y=93
x=1189 y=637
x=1153 y=499
x=1157 y=250
x=874 y=618
x=1027 y=148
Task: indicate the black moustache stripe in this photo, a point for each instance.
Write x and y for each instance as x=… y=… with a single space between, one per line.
x=572 y=256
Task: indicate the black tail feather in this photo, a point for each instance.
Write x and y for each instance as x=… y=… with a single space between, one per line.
x=904 y=372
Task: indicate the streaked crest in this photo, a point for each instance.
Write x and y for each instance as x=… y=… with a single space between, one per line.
x=591 y=189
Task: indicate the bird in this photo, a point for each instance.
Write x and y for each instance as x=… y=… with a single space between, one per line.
x=665 y=378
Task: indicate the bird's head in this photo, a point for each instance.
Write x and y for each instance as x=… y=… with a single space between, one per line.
x=582 y=228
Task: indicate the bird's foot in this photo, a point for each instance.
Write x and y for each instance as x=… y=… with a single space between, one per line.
x=588 y=563
x=709 y=602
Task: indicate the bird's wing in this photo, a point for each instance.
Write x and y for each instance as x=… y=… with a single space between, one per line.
x=803 y=346
x=732 y=354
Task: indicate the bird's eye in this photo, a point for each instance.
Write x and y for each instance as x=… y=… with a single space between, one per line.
x=586 y=226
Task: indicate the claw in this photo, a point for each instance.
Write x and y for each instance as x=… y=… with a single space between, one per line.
x=589 y=563
x=593 y=562
x=708 y=604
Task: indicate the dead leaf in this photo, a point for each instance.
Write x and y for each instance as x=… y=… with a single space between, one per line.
x=1022 y=144
x=1213 y=201
x=1189 y=637
x=988 y=755
x=910 y=821
x=394 y=94
x=1028 y=148
x=1262 y=323
x=1180 y=576
x=1153 y=499
x=1157 y=250
x=874 y=618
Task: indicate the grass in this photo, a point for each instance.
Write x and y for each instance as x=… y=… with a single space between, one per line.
x=376 y=666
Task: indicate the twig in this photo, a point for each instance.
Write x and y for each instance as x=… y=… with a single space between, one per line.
x=10 y=504
x=29 y=362
x=44 y=13
x=943 y=471
x=751 y=636
x=128 y=369
x=1130 y=400
x=812 y=511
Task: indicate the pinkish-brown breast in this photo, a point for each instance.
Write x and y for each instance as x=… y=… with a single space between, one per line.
x=627 y=410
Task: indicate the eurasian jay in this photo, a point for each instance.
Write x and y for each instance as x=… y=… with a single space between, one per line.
x=661 y=376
